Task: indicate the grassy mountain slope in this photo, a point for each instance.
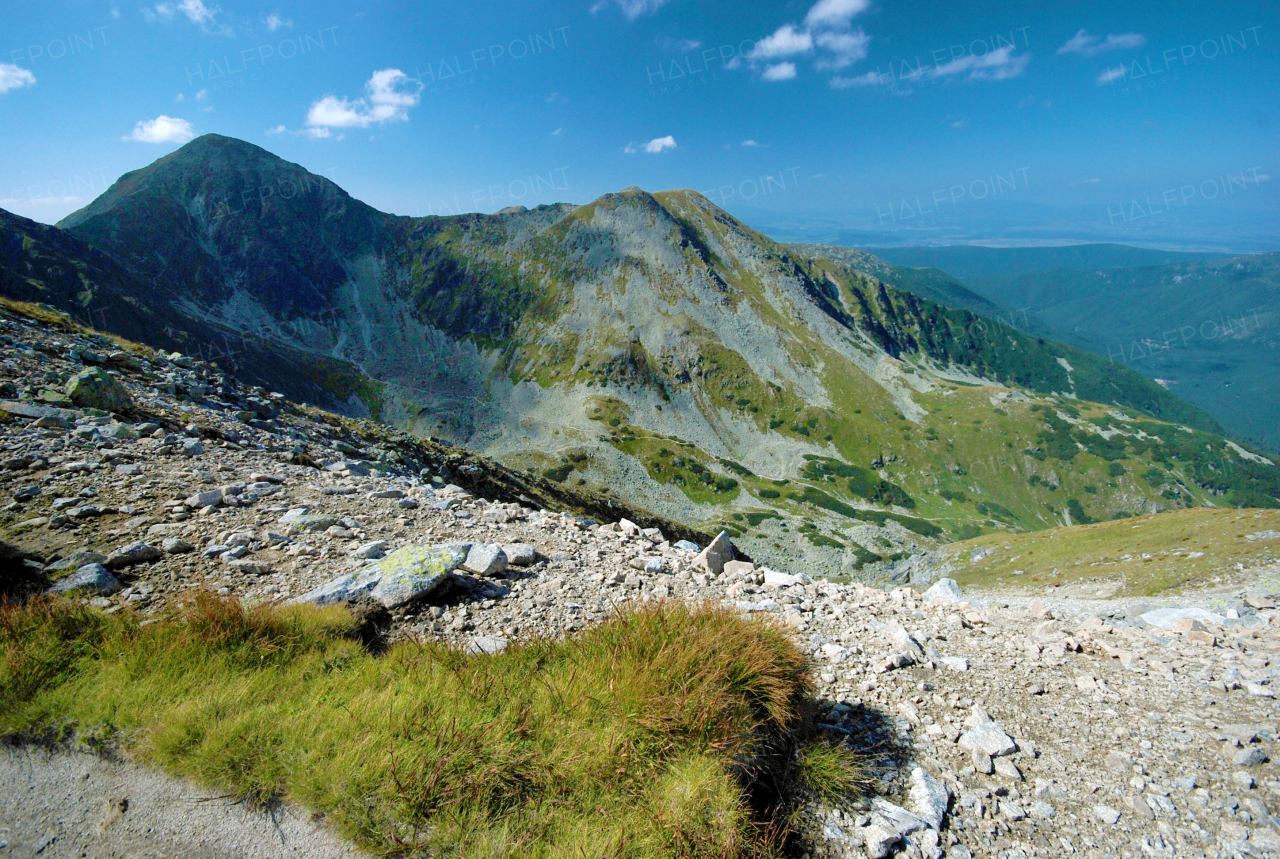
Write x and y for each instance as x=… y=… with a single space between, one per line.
x=652 y=346
x=1210 y=330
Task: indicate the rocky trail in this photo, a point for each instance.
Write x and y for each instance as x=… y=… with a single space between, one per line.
x=995 y=724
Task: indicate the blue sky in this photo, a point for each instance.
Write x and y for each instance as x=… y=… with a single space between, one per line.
x=837 y=111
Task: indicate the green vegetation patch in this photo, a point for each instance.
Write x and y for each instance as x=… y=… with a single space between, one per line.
x=862 y=483
x=625 y=738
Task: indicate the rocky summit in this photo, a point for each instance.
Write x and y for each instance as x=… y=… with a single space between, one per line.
x=994 y=723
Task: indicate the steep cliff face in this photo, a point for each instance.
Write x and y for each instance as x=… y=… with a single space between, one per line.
x=652 y=345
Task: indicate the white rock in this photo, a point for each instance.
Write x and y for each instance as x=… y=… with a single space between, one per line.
x=1166 y=618
x=943 y=590
x=988 y=738
x=774 y=579
x=929 y=798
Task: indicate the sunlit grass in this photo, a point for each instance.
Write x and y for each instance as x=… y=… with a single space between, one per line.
x=640 y=737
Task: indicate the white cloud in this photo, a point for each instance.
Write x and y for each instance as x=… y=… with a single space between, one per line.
x=390 y=94
x=559 y=132
x=846 y=48
x=780 y=72
x=115 y=12
x=15 y=77
x=1262 y=177
x=871 y=78
x=180 y=97
x=1111 y=75
x=1089 y=46
x=162 y=129
x=194 y=10
x=751 y=144
x=959 y=123
x=832 y=13
x=274 y=22
x=827 y=32
x=998 y=65
x=202 y=95
x=679 y=46
x=631 y=9
x=658 y=144
x=277 y=131
x=1092 y=181
x=786 y=41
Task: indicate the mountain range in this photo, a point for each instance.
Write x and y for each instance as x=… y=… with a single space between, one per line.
x=647 y=345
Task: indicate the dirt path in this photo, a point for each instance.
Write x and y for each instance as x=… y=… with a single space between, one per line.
x=70 y=804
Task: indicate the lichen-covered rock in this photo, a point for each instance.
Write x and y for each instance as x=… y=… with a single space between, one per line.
x=403 y=576
x=95 y=388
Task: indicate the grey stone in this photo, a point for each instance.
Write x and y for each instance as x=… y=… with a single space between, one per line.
x=929 y=798
x=312 y=522
x=880 y=840
x=1042 y=810
x=292 y=515
x=92 y=577
x=486 y=559
x=685 y=546
x=1166 y=618
x=981 y=761
x=1011 y=810
x=713 y=558
x=176 y=546
x=131 y=555
x=1250 y=757
x=1106 y=814
x=520 y=554
x=192 y=447
x=654 y=565
x=989 y=738
x=955 y=663
x=943 y=590
x=207 y=498
x=903 y=641
x=1008 y=770
x=76 y=560
x=374 y=550
x=774 y=579
x=347 y=588
x=489 y=644
x=249 y=567
x=95 y=388
x=902 y=821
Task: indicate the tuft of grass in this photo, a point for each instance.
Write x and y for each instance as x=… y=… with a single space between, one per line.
x=642 y=737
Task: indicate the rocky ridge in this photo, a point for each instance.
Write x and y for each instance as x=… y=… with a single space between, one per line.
x=995 y=726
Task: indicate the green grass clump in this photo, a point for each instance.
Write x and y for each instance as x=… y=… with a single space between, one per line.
x=640 y=737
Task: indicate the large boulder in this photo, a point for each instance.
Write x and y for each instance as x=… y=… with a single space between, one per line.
x=95 y=388
x=403 y=576
x=944 y=590
x=713 y=558
x=93 y=578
